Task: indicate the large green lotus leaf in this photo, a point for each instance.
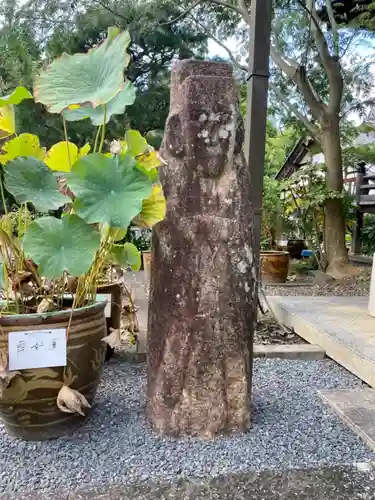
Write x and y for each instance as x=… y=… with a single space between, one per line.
x=93 y=78
x=59 y=245
x=115 y=106
x=28 y=179
x=126 y=255
x=17 y=96
x=108 y=190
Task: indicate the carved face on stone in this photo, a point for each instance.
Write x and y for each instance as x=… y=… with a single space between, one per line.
x=213 y=141
x=204 y=128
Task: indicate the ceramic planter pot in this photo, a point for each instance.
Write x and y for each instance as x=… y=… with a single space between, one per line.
x=274 y=266
x=28 y=405
x=113 y=315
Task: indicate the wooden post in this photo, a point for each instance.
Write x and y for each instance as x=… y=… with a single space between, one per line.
x=256 y=114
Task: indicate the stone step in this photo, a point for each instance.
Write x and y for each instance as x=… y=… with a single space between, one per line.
x=340 y=325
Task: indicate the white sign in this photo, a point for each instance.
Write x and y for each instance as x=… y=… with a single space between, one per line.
x=105 y=297
x=37 y=349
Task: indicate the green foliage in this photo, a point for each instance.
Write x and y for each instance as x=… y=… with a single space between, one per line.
x=103 y=113
x=356 y=154
x=108 y=190
x=59 y=246
x=278 y=144
x=95 y=196
x=305 y=194
x=155 y=137
x=30 y=180
x=22 y=145
x=304 y=266
x=368 y=235
x=42 y=30
x=140 y=238
x=127 y=255
x=92 y=79
x=17 y=96
x=272 y=213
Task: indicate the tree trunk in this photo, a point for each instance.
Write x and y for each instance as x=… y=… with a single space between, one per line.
x=334 y=220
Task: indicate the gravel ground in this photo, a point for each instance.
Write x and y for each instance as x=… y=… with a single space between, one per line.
x=292 y=428
x=324 y=286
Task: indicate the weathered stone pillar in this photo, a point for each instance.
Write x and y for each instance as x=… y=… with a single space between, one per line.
x=201 y=299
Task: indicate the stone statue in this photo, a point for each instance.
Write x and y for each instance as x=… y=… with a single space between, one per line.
x=201 y=309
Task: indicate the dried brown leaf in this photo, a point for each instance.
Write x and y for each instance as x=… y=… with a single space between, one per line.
x=21 y=277
x=71 y=284
x=5 y=375
x=46 y=305
x=113 y=339
x=3 y=364
x=71 y=401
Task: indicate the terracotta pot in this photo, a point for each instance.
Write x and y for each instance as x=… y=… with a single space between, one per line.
x=147 y=257
x=114 y=318
x=295 y=248
x=274 y=266
x=28 y=405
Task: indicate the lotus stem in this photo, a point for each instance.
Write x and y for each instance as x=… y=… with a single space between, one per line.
x=3 y=193
x=103 y=129
x=67 y=143
x=97 y=138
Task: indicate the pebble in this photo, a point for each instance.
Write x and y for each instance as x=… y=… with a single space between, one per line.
x=291 y=428
x=349 y=287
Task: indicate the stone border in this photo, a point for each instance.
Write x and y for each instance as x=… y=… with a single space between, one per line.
x=302 y=352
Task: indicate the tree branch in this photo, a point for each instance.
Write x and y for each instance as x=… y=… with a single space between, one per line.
x=357 y=107
x=335 y=33
x=195 y=4
x=113 y=12
x=298 y=75
x=228 y=5
x=285 y=65
x=314 y=131
x=183 y=14
x=309 y=126
x=222 y=45
x=310 y=95
x=330 y=64
x=244 y=10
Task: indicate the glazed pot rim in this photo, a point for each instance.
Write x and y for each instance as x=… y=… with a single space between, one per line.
x=61 y=315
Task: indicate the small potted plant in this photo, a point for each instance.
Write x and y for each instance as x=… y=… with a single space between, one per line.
x=73 y=208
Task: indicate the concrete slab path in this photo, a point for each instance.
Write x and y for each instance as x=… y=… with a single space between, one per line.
x=357 y=408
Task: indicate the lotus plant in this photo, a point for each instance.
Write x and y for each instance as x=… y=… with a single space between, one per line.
x=74 y=205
